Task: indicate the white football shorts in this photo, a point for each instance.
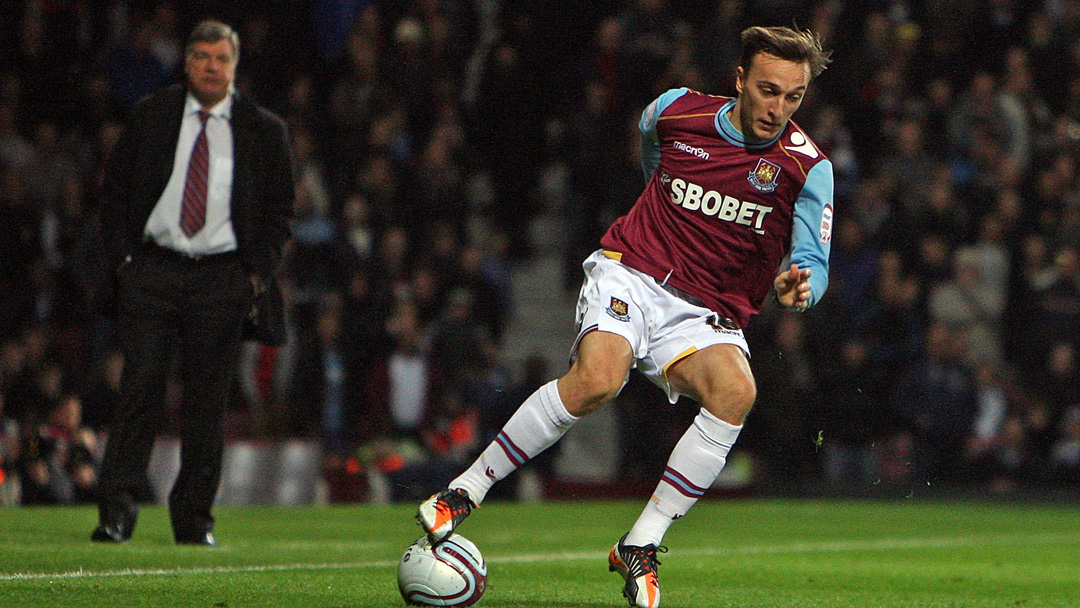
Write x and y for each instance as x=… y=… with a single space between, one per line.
x=661 y=327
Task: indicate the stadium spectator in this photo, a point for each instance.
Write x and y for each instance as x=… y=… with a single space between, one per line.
x=311 y=177
x=267 y=379
x=458 y=341
x=441 y=178
x=788 y=396
x=836 y=140
x=20 y=245
x=57 y=462
x=650 y=34
x=409 y=381
x=492 y=300
x=505 y=142
x=600 y=149
x=15 y=150
x=134 y=69
x=936 y=209
x=715 y=56
x=1054 y=389
x=854 y=264
x=937 y=401
x=1065 y=454
x=1057 y=302
x=10 y=484
x=854 y=418
x=451 y=434
x=103 y=392
x=891 y=323
x=335 y=381
x=35 y=379
x=908 y=162
x=973 y=303
x=997 y=452
x=357 y=93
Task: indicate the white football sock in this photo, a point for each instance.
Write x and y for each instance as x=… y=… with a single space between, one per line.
x=535 y=426
x=692 y=467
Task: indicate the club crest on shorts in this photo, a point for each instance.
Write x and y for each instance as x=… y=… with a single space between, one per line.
x=619 y=310
x=764 y=175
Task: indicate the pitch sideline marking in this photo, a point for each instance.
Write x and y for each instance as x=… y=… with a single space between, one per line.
x=823 y=547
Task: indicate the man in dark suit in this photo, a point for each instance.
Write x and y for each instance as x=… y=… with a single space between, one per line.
x=196 y=204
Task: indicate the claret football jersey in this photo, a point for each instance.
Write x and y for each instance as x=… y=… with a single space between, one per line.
x=721 y=215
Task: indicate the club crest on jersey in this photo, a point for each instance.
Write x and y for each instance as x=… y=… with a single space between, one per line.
x=764 y=175
x=619 y=310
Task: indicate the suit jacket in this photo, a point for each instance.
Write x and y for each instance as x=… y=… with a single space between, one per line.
x=262 y=196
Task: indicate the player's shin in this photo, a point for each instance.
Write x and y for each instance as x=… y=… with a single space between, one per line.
x=691 y=469
x=540 y=422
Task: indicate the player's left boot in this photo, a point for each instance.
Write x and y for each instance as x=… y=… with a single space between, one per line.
x=637 y=566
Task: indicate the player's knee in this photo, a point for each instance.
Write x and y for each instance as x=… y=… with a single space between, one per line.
x=732 y=403
x=744 y=397
x=586 y=389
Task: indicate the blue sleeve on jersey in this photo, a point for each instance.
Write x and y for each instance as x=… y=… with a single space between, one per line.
x=650 y=141
x=807 y=248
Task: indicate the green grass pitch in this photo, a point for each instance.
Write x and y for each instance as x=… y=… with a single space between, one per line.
x=726 y=553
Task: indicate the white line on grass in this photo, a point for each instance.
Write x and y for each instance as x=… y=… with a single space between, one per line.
x=879 y=544
x=31 y=576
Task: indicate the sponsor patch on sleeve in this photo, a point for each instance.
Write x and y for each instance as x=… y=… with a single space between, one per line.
x=826 y=223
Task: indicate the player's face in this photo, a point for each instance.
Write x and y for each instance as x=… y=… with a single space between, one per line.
x=210 y=68
x=769 y=93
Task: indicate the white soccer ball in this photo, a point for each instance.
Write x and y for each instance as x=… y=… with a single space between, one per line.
x=452 y=573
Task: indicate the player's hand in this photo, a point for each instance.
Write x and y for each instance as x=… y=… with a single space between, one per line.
x=793 y=288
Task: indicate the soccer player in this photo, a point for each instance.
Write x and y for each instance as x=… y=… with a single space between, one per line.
x=738 y=203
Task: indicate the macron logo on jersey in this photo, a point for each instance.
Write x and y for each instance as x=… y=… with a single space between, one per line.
x=698 y=152
x=693 y=197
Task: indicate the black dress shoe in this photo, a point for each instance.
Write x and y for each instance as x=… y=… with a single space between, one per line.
x=116 y=522
x=205 y=538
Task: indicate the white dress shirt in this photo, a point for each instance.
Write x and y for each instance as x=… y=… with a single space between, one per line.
x=216 y=236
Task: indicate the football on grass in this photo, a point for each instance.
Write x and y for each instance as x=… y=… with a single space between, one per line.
x=450 y=573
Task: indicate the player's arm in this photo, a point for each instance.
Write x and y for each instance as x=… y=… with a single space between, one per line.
x=650 y=140
x=804 y=275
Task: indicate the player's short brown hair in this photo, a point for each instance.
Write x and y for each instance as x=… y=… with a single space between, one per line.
x=784 y=43
x=211 y=31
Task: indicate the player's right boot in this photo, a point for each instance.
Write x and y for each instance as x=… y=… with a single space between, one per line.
x=637 y=566
x=440 y=514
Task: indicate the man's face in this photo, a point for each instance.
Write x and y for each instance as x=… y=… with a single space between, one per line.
x=769 y=93
x=210 y=68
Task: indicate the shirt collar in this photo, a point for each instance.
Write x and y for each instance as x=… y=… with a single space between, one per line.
x=223 y=109
x=728 y=131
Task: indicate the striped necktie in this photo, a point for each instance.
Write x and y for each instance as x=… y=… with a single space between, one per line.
x=193 y=209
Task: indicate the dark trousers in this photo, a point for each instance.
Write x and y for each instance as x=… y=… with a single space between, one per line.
x=192 y=309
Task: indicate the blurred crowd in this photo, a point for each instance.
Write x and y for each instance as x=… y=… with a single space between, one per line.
x=428 y=136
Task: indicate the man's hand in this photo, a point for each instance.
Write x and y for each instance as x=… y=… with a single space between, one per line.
x=793 y=288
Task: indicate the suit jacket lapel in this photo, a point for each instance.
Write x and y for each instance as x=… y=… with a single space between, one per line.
x=242 y=153
x=170 y=135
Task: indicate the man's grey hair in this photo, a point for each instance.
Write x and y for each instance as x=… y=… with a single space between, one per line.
x=212 y=31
